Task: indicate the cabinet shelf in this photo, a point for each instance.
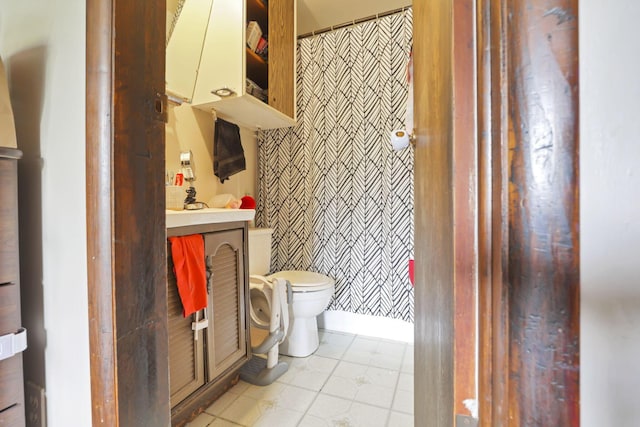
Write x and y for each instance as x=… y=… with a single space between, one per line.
x=259 y=12
x=257 y=69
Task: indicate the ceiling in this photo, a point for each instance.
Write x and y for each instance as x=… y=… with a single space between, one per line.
x=314 y=15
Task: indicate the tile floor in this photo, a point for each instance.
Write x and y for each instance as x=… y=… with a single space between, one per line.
x=350 y=381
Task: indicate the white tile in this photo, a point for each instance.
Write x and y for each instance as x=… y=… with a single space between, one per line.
x=366 y=415
x=362 y=381
x=203 y=420
x=282 y=396
x=396 y=419
x=219 y=422
x=349 y=370
x=366 y=384
x=403 y=401
x=329 y=406
x=340 y=387
x=375 y=395
x=309 y=372
x=361 y=350
x=376 y=352
x=278 y=418
x=405 y=382
x=333 y=344
x=357 y=356
x=314 y=421
x=407 y=362
x=388 y=355
x=222 y=403
x=243 y=410
x=382 y=377
x=365 y=344
x=240 y=387
x=277 y=404
x=333 y=411
x=392 y=348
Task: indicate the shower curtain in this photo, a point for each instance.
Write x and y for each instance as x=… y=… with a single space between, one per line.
x=339 y=199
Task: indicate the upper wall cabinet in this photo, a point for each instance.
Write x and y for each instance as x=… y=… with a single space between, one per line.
x=210 y=64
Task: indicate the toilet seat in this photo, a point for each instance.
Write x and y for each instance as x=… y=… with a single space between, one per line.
x=305 y=281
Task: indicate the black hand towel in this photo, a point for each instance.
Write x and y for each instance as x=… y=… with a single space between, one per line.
x=228 y=155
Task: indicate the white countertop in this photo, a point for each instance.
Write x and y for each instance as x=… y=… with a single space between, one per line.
x=207 y=216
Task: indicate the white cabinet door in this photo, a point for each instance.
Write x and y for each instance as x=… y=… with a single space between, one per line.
x=223 y=62
x=185 y=48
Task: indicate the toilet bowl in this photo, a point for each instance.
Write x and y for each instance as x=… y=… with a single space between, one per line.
x=311 y=294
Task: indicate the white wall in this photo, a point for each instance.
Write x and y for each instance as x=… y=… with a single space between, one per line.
x=43 y=46
x=192 y=129
x=610 y=212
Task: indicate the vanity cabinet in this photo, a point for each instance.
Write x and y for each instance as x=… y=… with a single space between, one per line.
x=227 y=64
x=204 y=362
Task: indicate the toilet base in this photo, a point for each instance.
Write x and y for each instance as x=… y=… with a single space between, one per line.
x=302 y=339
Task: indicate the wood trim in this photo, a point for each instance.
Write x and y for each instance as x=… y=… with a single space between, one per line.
x=543 y=247
x=104 y=385
x=434 y=251
x=528 y=213
x=492 y=212
x=485 y=367
x=464 y=204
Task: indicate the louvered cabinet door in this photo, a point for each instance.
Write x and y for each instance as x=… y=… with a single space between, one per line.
x=226 y=336
x=186 y=349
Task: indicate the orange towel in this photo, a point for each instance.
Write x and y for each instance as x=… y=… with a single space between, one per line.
x=187 y=253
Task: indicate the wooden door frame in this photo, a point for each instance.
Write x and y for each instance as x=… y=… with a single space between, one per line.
x=126 y=234
x=503 y=96
x=528 y=246
x=529 y=288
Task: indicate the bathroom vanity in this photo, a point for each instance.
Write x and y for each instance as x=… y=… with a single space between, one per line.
x=207 y=349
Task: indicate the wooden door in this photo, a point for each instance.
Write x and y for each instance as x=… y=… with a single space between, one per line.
x=125 y=213
x=226 y=335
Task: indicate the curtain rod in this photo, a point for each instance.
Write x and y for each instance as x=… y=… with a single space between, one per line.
x=353 y=22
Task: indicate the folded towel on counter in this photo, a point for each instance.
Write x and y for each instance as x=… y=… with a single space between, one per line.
x=228 y=155
x=187 y=253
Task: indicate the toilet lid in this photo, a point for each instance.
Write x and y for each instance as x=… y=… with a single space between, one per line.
x=305 y=281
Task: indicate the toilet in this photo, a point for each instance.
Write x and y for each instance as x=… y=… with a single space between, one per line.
x=311 y=294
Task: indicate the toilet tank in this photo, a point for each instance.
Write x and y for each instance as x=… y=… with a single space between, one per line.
x=260 y=250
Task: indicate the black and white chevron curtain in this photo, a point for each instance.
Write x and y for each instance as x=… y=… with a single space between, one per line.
x=338 y=197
